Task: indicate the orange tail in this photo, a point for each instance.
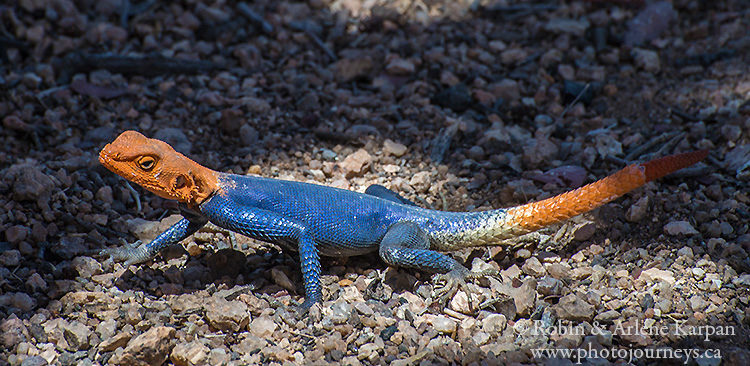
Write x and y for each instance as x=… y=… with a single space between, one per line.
x=536 y=215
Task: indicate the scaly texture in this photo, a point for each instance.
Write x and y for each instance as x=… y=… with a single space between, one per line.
x=317 y=220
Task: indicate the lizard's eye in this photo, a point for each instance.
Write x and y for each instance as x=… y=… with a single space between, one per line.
x=146 y=162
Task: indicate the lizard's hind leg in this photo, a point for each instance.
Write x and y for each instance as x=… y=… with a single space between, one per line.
x=407 y=245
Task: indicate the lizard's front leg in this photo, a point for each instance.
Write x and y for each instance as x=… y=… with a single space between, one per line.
x=271 y=227
x=139 y=252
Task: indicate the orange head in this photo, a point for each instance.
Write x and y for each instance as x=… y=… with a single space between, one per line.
x=160 y=169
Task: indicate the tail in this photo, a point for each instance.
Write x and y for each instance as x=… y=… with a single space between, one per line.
x=536 y=215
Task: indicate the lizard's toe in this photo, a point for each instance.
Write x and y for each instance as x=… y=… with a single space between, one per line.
x=448 y=284
x=128 y=253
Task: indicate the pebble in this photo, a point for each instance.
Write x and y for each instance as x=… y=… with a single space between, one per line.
x=10 y=258
x=149 y=348
x=394 y=148
x=400 y=67
x=698 y=273
x=494 y=324
x=646 y=59
x=533 y=267
x=507 y=89
x=675 y=228
x=549 y=286
x=561 y=25
x=263 y=326
x=444 y=324
x=281 y=106
x=573 y=308
x=654 y=274
x=341 y=312
x=357 y=163
x=686 y=252
x=348 y=69
x=229 y=316
x=697 y=303
x=189 y=354
x=638 y=211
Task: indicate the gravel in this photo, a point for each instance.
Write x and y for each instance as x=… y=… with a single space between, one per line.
x=457 y=105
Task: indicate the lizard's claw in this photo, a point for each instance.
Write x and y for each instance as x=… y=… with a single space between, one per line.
x=447 y=284
x=128 y=253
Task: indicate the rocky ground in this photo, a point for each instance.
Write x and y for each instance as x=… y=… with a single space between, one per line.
x=459 y=105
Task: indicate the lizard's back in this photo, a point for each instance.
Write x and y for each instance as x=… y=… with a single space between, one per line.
x=342 y=222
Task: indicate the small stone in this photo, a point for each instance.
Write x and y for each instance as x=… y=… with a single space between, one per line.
x=584 y=231
x=607 y=316
x=561 y=25
x=697 y=303
x=494 y=324
x=400 y=67
x=263 y=326
x=444 y=324
x=533 y=267
x=13 y=332
x=10 y=258
x=742 y=280
x=456 y=98
x=646 y=59
x=226 y=315
x=638 y=210
x=507 y=89
x=188 y=354
x=30 y=182
x=13 y=122
x=654 y=274
x=116 y=341
x=219 y=356
x=255 y=105
x=104 y=194
x=731 y=132
x=513 y=56
x=341 y=312
x=86 y=266
x=149 y=348
x=675 y=228
x=549 y=286
x=523 y=253
x=394 y=148
x=698 y=273
x=349 y=69
x=573 y=308
x=497 y=46
x=650 y=23
x=420 y=181
x=357 y=163
x=686 y=252
x=248 y=135
x=560 y=271
x=77 y=335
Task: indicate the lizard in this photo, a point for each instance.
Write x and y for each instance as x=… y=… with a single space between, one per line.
x=319 y=220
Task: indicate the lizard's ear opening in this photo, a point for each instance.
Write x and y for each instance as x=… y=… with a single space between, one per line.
x=181 y=182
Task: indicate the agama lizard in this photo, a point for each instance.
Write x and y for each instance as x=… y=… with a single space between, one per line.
x=318 y=220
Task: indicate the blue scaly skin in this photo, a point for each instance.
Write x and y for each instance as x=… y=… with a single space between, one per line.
x=318 y=220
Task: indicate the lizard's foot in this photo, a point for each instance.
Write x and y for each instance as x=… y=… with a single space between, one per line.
x=447 y=284
x=301 y=310
x=128 y=253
